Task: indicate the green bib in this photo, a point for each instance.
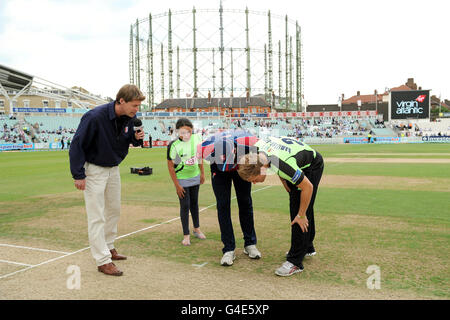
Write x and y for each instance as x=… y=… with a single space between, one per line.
x=283 y=154
x=183 y=155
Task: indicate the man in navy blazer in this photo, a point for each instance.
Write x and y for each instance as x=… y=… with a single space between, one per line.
x=99 y=145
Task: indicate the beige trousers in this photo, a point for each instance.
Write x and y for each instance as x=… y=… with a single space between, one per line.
x=102 y=199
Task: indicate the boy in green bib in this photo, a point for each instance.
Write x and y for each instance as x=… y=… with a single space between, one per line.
x=187 y=175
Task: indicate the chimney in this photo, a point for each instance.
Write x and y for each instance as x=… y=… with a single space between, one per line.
x=342 y=97
x=358 y=93
x=410 y=83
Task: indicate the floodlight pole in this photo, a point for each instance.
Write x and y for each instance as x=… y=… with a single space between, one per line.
x=170 y=52
x=286 y=55
x=213 y=74
x=270 y=53
x=131 y=57
x=248 y=52
x=232 y=75
x=221 y=49
x=178 y=72
x=152 y=88
x=291 y=85
x=297 y=67
x=265 y=72
x=137 y=64
x=162 y=72
x=149 y=90
x=194 y=50
x=279 y=72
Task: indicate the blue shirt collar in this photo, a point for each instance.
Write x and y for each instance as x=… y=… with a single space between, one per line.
x=111 y=110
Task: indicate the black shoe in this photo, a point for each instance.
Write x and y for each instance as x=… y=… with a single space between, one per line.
x=311 y=252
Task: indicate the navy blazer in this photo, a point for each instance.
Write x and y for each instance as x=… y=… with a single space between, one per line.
x=102 y=138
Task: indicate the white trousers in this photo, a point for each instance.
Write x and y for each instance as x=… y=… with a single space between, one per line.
x=102 y=199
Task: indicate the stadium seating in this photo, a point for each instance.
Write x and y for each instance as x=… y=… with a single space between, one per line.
x=53 y=128
x=435 y=128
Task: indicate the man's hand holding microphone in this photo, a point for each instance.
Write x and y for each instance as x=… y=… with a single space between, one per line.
x=139 y=133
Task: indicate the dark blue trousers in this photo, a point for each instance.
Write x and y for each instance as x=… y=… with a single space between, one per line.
x=221 y=183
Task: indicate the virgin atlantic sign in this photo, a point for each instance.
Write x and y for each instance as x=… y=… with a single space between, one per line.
x=410 y=104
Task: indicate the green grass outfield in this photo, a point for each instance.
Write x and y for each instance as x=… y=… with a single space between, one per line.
x=405 y=231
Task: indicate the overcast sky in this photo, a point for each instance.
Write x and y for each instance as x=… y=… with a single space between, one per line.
x=348 y=45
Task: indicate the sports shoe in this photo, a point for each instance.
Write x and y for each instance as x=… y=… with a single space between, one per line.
x=308 y=254
x=311 y=252
x=228 y=258
x=252 y=252
x=287 y=269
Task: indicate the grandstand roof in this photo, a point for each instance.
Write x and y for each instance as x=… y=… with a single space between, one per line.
x=18 y=83
x=11 y=79
x=215 y=102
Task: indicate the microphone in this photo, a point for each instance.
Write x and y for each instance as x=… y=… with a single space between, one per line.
x=137 y=126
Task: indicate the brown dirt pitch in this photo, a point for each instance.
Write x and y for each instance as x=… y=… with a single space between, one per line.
x=162 y=275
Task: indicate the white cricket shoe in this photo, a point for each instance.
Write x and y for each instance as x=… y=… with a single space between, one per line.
x=252 y=252
x=228 y=258
x=287 y=269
